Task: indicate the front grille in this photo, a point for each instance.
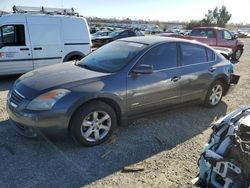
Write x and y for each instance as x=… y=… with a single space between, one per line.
x=16 y=98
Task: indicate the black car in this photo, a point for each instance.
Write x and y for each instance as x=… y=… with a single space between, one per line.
x=119 y=34
x=118 y=81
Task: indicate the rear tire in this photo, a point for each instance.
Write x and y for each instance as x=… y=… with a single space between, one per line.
x=214 y=94
x=93 y=124
x=75 y=58
x=237 y=54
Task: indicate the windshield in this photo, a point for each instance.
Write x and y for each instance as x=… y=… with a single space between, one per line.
x=111 y=57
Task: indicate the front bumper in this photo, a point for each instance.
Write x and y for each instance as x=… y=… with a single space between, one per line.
x=36 y=123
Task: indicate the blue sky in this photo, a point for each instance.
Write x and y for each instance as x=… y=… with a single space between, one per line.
x=163 y=10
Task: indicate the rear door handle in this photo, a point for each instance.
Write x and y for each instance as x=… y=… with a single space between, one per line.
x=175 y=78
x=24 y=49
x=38 y=48
x=211 y=69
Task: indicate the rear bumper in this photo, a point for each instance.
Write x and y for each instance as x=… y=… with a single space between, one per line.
x=234 y=79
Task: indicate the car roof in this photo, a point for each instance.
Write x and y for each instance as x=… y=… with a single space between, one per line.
x=152 y=40
x=217 y=28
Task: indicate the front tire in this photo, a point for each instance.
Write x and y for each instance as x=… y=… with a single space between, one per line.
x=214 y=94
x=93 y=123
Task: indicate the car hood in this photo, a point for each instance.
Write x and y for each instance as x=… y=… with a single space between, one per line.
x=66 y=75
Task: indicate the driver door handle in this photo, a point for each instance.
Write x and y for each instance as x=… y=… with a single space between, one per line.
x=24 y=49
x=39 y=48
x=175 y=78
x=212 y=69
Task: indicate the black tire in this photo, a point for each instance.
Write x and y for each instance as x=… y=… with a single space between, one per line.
x=76 y=57
x=237 y=54
x=208 y=101
x=86 y=111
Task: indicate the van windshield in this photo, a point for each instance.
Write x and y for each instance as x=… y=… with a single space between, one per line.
x=111 y=57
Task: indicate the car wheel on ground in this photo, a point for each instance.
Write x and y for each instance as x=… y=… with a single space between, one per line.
x=238 y=54
x=93 y=123
x=214 y=94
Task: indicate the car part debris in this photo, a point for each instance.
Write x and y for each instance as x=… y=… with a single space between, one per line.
x=225 y=162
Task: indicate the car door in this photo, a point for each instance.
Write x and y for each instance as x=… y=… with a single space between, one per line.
x=225 y=39
x=46 y=40
x=15 y=51
x=196 y=70
x=161 y=87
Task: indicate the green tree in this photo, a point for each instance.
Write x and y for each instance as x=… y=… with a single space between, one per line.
x=216 y=17
x=224 y=17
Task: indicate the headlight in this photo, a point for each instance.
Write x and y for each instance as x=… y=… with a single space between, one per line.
x=47 y=100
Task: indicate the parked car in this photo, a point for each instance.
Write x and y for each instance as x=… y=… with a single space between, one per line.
x=123 y=33
x=31 y=40
x=100 y=33
x=116 y=82
x=219 y=37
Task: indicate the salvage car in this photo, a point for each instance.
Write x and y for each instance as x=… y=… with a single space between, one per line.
x=119 y=34
x=118 y=81
x=101 y=33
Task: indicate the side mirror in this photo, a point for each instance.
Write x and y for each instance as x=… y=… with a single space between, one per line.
x=143 y=69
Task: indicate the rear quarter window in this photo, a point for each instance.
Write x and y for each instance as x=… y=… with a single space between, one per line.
x=210 y=55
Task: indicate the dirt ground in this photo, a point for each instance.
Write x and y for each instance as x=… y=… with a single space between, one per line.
x=166 y=146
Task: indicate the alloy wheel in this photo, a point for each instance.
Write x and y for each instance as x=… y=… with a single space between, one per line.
x=96 y=126
x=216 y=95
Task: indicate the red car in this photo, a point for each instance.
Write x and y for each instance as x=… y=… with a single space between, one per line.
x=217 y=37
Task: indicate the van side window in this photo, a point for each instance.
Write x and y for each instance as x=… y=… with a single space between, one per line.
x=192 y=54
x=12 y=35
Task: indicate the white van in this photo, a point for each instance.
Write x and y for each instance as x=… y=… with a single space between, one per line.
x=33 y=39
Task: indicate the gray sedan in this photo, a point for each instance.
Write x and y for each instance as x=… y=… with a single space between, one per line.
x=118 y=81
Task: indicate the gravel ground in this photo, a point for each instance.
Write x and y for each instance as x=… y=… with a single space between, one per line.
x=165 y=145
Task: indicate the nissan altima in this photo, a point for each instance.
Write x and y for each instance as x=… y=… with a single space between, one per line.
x=127 y=77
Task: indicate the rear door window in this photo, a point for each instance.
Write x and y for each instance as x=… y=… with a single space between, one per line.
x=192 y=54
x=161 y=57
x=12 y=35
x=220 y=35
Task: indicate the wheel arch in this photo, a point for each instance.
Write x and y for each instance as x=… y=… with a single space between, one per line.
x=72 y=54
x=225 y=82
x=112 y=103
